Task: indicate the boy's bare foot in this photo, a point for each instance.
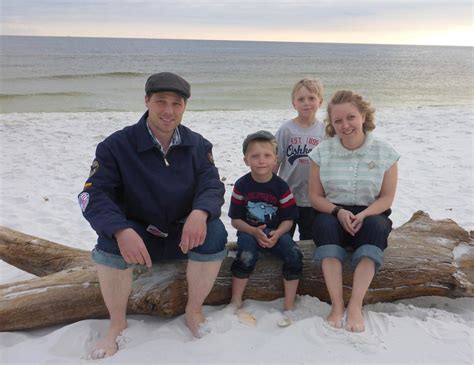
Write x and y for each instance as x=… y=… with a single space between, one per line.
x=194 y=320
x=235 y=305
x=355 y=319
x=334 y=319
x=288 y=316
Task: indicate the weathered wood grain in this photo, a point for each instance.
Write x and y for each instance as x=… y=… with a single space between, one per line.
x=424 y=257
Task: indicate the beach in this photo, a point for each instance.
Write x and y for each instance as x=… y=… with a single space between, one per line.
x=61 y=96
x=46 y=157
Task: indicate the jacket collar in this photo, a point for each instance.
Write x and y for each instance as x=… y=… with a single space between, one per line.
x=145 y=141
x=340 y=150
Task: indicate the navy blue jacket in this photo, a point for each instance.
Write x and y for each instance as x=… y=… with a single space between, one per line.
x=130 y=180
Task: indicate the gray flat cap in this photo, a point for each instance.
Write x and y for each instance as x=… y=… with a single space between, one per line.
x=168 y=81
x=260 y=135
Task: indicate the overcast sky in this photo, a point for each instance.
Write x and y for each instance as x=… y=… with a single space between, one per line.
x=447 y=22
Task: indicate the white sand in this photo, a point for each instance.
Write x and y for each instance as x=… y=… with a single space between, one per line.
x=45 y=159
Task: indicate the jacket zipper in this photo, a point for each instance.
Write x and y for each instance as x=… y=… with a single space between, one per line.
x=167 y=164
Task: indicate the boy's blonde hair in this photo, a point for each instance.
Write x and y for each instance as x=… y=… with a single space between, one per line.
x=314 y=86
x=363 y=106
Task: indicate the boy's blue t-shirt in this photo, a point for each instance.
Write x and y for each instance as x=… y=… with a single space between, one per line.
x=267 y=203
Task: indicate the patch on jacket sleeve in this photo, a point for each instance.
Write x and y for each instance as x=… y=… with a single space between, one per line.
x=94 y=167
x=83 y=200
x=210 y=157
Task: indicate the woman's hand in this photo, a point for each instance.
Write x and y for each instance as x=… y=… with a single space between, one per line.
x=346 y=218
x=357 y=221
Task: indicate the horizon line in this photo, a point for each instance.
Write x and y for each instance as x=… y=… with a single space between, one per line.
x=236 y=40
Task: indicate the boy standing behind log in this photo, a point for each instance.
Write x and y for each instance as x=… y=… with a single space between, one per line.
x=296 y=138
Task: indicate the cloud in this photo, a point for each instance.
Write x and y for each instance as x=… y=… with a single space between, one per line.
x=239 y=18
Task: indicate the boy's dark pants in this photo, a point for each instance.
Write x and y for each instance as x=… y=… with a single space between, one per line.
x=247 y=255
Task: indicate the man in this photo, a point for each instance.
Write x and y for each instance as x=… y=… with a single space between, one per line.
x=154 y=193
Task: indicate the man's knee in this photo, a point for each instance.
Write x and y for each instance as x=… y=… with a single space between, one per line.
x=214 y=246
x=109 y=259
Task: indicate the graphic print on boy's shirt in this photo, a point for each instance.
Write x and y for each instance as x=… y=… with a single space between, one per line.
x=262 y=203
x=299 y=148
x=260 y=212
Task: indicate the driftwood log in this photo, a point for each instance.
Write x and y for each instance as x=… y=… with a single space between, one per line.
x=424 y=257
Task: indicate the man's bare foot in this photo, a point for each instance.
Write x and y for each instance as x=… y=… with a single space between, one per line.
x=107 y=346
x=334 y=319
x=194 y=320
x=355 y=319
x=104 y=348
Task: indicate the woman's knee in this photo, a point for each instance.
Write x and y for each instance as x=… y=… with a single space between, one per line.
x=372 y=252
x=326 y=228
x=329 y=251
x=379 y=224
x=374 y=231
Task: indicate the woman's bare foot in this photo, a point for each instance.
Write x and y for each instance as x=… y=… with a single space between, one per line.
x=334 y=319
x=107 y=346
x=194 y=320
x=355 y=319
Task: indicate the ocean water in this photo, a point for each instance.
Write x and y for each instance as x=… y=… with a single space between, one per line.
x=49 y=74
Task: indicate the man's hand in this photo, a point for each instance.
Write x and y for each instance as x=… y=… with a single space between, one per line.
x=194 y=230
x=132 y=248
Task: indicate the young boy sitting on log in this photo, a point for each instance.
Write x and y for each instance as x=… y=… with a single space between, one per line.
x=263 y=209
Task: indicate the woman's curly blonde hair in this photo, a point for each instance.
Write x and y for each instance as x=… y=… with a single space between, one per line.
x=363 y=106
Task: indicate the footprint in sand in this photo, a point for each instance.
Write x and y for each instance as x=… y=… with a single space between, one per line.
x=371 y=340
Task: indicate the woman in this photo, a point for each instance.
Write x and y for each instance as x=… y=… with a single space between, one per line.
x=352 y=185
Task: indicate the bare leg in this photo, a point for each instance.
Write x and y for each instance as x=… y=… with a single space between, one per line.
x=238 y=287
x=332 y=271
x=115 y=286
x=201 y=277
x=363 y=275
x=291 y=286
